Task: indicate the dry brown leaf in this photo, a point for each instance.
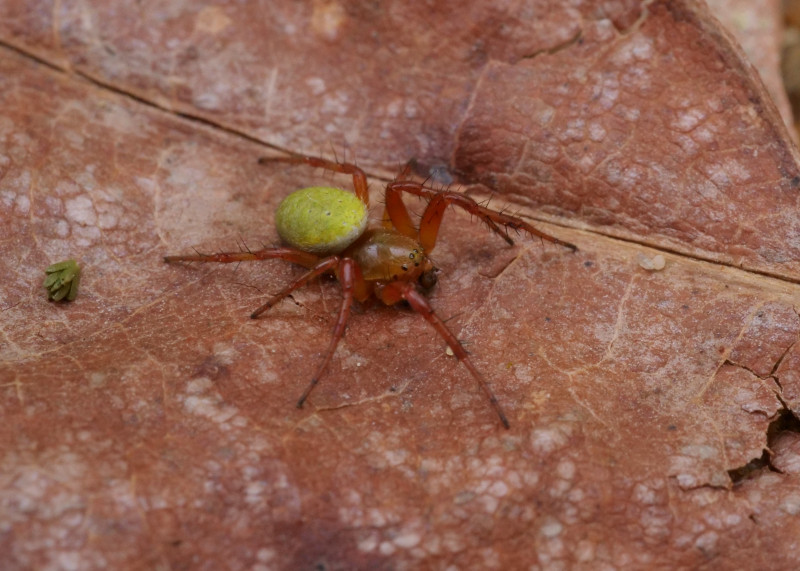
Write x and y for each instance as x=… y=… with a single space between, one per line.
x=151 y=424
x=759 y=28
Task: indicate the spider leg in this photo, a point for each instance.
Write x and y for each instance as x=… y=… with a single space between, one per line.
x=434 y=213
x=359 y=176
x=348 y=277
x=438 y=203
x=292 y=255
x=324 y=266
x=395 y=210
x=395 y=291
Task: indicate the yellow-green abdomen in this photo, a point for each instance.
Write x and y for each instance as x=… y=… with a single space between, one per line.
x=321 y=219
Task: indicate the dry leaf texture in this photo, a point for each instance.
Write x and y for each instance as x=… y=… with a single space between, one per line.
x=151 y=424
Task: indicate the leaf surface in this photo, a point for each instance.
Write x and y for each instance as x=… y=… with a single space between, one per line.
x=151 y=423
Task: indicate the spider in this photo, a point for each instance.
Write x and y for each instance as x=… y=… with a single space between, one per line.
x=326 y=231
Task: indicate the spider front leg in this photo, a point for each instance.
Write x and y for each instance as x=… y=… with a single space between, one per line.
x=393 y=292
x=434 y=213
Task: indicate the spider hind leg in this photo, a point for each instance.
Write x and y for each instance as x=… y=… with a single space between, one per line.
x=292 y=255
x=322 y=267
x=359 y=176
x=351 y=281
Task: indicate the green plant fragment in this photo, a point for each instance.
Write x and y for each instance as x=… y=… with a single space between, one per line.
x=62 y=280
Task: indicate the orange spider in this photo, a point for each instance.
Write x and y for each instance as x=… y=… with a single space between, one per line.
x=325 y=230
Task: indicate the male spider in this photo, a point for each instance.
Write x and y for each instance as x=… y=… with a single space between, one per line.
x=325 y=230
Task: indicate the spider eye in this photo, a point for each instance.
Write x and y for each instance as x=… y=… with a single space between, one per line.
x=405 y=267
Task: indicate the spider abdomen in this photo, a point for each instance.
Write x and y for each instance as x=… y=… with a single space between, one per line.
x=321 y=219
x=388 y=256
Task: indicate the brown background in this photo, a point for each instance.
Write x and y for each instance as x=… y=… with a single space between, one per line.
x=150 y=423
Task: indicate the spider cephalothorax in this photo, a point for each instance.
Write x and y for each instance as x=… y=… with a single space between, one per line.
x=326 y=231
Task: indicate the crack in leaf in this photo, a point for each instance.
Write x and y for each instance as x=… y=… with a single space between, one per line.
x=784 y=420
x=725 y=357
x=566 y=44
